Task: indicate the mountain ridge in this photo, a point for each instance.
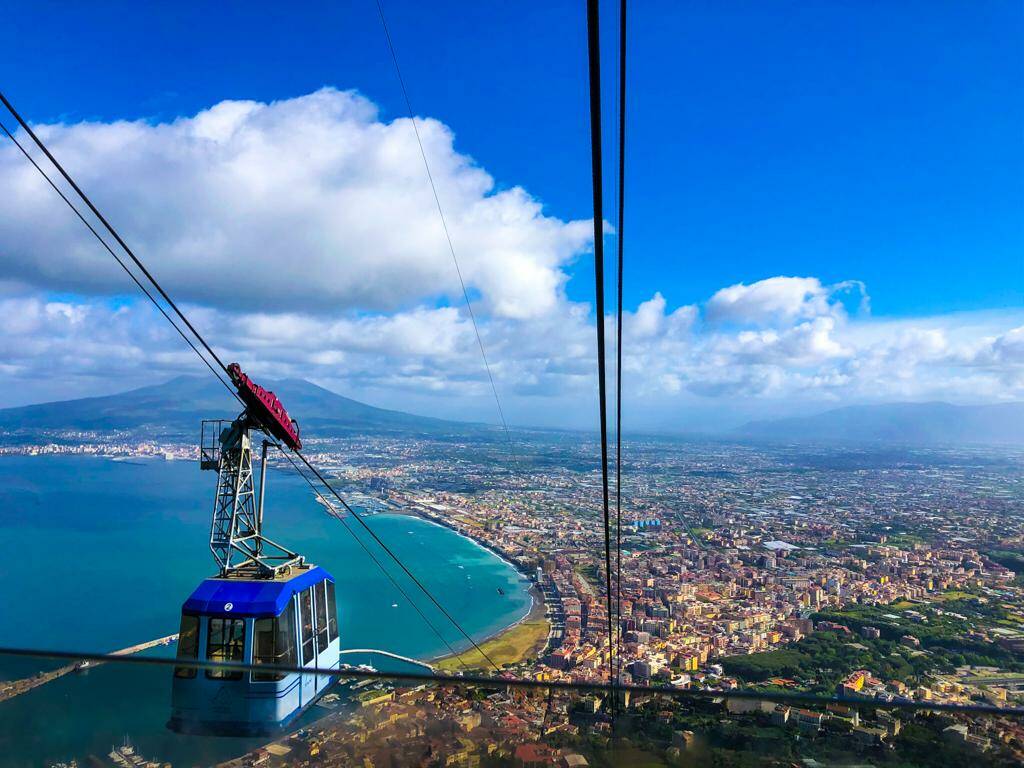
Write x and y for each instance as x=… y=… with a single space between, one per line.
x=929 y=423
x=179 y=404
x=176 y=407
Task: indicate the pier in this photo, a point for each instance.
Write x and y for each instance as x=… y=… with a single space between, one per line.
x=389 y=654
x=11 y=688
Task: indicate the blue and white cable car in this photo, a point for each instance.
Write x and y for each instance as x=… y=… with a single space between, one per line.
x=288 y=621
x=265 y=606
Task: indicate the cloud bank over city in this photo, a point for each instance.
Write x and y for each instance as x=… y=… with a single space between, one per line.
x=303 y=238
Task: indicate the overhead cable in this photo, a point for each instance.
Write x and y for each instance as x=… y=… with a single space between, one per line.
x=571 y=686
x=85 y=198
x=618 y=330
x=396 y=559
x=117 y=258
x=444 y=225
x=594 y=59
x=340 y=517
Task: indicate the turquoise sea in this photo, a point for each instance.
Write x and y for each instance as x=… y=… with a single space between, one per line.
x=97 y=555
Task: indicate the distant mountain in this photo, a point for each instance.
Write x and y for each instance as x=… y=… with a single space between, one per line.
x=177 y=406
x=900 y=423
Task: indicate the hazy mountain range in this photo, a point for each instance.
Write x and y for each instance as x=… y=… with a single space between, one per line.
x=177 y=406
x=899 y=423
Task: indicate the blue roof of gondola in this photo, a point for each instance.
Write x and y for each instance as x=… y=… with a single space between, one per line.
x=250 y=597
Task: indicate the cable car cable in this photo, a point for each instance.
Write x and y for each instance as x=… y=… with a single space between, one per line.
x=117 y=237
x=213 y=370
x=444 y=225
x=334 y=513
x=691 y=694
x=118 y=259
x=395 y=557
x=618 y=332
x=209 y=349
x=594 y=60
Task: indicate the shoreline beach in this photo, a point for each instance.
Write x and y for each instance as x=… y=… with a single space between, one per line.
x=537 y=613
x=538 y=606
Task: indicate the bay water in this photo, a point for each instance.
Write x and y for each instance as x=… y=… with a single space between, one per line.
x=97 y=555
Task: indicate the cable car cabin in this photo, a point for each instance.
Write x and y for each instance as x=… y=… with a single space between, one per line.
x=290 y=620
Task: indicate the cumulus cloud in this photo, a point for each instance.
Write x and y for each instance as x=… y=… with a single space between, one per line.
x=305 y=204
x=1006 y=349
x=650 y=321
x=669 y=355
x=780 y=300
x=302 y=237
x=806 y=343
x=791 y=339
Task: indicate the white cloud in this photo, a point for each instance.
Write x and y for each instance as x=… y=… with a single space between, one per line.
x=789 y=340
x=303 y=239
x=650 y=321
x=426 y=357
x=806 y=343
x=779 y=300
x=1006 y=349
x=306 y=204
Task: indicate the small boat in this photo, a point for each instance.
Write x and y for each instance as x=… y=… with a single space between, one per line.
x=501 y=591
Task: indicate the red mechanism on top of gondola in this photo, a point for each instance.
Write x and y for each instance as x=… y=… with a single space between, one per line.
x=266 y=408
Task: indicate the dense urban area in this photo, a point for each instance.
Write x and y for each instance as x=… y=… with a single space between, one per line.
x=876 y=577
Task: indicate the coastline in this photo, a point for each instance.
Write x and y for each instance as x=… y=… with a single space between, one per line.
x=537 y=612
x=538 y=606
x=482 y=544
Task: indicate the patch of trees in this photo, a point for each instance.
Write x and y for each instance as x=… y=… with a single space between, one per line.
x=827 y=657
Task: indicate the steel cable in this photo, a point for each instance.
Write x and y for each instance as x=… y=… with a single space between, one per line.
x=594 y=61
x=618 y=331
x=334 y=513
x=444 y=225
x=419 y=678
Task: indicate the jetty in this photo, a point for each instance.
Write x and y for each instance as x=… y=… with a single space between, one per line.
x=11 y=688
x=389 y=654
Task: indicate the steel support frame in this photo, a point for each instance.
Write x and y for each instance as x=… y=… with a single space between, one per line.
x=236 y=537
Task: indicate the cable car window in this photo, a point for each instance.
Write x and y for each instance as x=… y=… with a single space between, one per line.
x=274 y=643
x=225 y=642
x=188 y=644
x=286 y=638
x=321 y=619
x=306 y=604
x=332 y=624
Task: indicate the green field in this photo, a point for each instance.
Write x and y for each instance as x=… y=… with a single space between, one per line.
x=520 y=642
x=945 y=597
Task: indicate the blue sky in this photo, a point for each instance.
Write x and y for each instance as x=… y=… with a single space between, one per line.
x=876 y=141
x=842 y=141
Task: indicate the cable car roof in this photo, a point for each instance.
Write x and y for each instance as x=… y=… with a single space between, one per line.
x=250 y=597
